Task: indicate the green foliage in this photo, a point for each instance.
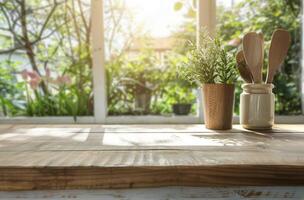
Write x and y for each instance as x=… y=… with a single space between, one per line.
x=265 y=16
x=129 y=79
x=209 y=62
x=226 y=65
x=181 y=95
x=65 y=49
x=174 y=88
x=178 y=6
x=262 y=16
x=60 y=43
x=11 y=99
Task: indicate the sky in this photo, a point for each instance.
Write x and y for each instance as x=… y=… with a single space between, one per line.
x=159 y=16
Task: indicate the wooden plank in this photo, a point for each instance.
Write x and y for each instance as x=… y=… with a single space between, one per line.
x=108 y=156
x=135 y=177
x=168 y=193
x=4 y=128
x=146 y=158
x=82 y=138
x=195 y=142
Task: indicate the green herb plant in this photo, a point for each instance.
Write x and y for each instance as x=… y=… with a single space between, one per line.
x=209 y=62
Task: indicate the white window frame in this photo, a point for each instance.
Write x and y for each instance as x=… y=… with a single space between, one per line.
x=206 y=18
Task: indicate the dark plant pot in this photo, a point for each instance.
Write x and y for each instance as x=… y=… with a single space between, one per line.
x=218 y=105
x=181 y=108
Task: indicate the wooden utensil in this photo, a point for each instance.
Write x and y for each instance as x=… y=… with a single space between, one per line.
x=243 y=68
x=262 y=59
x=252 y=47
x=280 y=43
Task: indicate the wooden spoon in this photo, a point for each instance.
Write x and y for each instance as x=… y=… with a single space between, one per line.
x=243 y=68
x=252 y=47
x=280 y=43
x=262 y=59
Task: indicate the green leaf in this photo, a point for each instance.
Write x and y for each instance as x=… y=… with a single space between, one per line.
x=178 y=6
x=191 y=13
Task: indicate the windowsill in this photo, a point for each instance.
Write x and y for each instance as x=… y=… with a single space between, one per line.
x=149 y=119
x=124 y=156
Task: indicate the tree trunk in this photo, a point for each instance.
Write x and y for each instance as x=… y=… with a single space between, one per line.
x=28 y=44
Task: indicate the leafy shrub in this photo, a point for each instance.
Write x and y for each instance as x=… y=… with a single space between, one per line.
x=129 y=79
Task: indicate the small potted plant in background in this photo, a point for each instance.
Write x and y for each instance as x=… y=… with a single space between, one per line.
x=183 y=100
x=210 y=65
x=141 y=80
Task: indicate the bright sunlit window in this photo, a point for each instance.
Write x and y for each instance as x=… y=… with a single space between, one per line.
x=142 y=66
x=46 y=60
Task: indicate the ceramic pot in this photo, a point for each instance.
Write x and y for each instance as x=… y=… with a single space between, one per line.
x=257 y=106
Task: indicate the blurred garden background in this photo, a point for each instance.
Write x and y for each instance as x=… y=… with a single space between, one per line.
x=46 y=58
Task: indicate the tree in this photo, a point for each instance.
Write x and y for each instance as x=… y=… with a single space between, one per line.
x=56 y=36
x=26 y=29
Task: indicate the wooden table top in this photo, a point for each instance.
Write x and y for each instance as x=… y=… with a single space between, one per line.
x=124 y=156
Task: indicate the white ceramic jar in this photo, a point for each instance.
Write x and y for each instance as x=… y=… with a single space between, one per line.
x=257 y=106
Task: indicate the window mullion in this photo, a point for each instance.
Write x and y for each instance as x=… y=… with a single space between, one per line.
x=99 y=83
x=206 y=18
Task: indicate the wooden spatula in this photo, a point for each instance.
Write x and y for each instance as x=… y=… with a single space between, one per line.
x=243 y=68
x=253 y=53
x=280 y=43
x=262 y=59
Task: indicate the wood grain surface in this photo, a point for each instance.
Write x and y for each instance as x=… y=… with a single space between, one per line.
x=164 y=193
x=129 y=156
x=218 y=105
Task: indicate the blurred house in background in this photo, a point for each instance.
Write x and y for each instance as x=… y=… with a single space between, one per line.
x=161 y=46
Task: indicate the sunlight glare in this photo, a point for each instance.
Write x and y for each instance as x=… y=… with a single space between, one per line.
x=157 y=16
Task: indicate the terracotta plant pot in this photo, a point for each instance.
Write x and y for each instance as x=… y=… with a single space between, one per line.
x=218 y=105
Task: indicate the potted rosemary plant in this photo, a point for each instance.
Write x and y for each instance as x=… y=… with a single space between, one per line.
x=210 y=65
